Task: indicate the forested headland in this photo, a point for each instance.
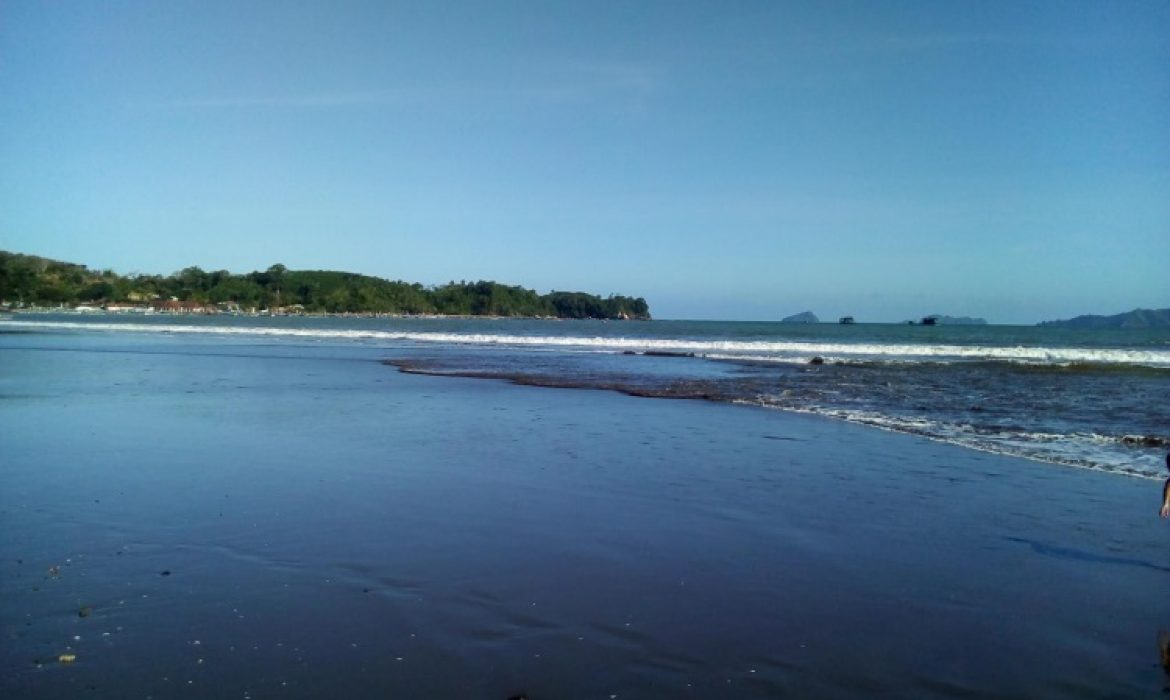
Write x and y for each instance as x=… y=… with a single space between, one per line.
x=31 y=281
x=1138 y=318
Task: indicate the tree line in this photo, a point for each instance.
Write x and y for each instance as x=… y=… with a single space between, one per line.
x=34 y=281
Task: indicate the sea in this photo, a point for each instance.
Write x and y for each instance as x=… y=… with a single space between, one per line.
x=1088 y=399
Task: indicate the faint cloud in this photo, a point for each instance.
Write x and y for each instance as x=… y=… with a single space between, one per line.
x=932 y=42
x=306 y=100
x=609 y=76
x=876 y=45
x=575 y=82
x=612 y=84
x=899 y=44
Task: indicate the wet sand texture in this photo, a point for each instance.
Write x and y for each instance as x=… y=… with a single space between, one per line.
x=333 y=527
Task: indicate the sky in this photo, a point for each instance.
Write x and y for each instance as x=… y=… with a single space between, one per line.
x=724 y=160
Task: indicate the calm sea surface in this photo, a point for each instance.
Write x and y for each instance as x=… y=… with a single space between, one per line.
x=1089 y=399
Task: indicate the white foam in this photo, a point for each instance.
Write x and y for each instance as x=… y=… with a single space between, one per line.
x=1089 y=451
x=769 y=351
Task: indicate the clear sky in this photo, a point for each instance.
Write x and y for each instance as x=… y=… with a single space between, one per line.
x=734 y=160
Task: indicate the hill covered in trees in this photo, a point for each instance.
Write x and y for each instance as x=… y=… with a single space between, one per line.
x=1138 y=318
x=27 y=280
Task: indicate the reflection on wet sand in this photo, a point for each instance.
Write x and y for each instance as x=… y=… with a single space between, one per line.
x=345 y=531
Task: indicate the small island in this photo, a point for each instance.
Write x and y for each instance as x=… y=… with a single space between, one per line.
x=29 y=282
x=803 y=317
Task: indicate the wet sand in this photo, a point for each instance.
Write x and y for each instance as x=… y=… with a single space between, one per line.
x=292 y=521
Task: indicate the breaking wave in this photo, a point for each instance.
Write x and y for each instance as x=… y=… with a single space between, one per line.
x=1081 y=450
x=741 y=350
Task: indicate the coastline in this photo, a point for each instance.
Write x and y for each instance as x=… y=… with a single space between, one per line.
x=325 y=516
x=38 y=311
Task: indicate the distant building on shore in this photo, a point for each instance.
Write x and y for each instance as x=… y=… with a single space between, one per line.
x=174 y=306
x=125 y=307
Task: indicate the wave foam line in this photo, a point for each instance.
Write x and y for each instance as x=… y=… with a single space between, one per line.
x=1071 y=450
x=716 y=349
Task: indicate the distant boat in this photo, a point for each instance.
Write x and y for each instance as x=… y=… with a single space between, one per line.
x=846 y=319
x=930 y=321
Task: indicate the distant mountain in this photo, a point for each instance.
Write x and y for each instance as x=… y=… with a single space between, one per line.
x=803 y=317
x=1138 y=318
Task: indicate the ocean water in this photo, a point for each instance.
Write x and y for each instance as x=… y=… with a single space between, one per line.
x=269 y=508
x=1086 y=399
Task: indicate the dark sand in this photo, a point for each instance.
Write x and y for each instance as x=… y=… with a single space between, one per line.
x=330 y=527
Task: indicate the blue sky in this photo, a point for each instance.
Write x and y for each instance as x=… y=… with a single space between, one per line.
x=724 y=160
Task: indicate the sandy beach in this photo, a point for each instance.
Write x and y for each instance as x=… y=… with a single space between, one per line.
x=195 y=519
x=584 y=351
